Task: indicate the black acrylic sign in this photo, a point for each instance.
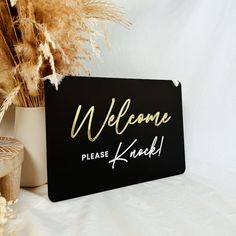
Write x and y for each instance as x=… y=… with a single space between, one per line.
x=105 y=133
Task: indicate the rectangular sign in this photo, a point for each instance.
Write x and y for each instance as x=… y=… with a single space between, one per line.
x=105 y=133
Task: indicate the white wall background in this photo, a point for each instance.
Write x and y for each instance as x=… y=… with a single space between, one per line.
x=194 y=42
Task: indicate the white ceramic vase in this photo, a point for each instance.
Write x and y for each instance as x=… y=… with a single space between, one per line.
x=31 y=131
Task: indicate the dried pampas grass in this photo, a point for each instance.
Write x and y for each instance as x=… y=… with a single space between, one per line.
x=47 y=39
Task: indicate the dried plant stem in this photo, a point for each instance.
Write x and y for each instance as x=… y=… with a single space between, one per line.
x=12 y=23
x=7 y=47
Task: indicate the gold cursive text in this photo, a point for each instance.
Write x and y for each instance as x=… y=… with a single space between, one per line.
x=112 y=120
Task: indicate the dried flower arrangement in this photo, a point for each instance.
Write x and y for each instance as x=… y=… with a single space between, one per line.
x=46 y=39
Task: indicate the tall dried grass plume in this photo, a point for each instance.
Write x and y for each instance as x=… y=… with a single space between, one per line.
x=47 y=39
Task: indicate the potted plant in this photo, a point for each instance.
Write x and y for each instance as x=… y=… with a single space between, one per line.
x=39 y=40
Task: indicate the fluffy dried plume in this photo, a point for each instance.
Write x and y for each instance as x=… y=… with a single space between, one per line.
x=9 y=101
x=48 y=39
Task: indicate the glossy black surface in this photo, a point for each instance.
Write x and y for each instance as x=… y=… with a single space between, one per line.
x=69 y=176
